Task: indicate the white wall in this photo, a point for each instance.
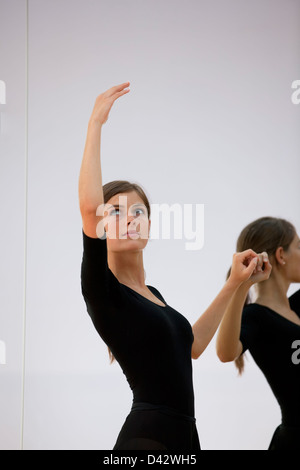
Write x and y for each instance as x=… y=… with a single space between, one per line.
x=209 y=120
x=12 y=215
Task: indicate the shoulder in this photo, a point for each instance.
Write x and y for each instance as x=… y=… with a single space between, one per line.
x=153 y=288
x=295 y=301
x=156 y=291
x=253 y=325
x=88 y=240
x=252 y=310
x=94 y=250
x=256 y=315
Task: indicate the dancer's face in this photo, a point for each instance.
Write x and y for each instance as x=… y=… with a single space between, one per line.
x=292 y=260
x=126 y=222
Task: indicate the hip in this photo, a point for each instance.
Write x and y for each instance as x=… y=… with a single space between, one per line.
x=150 y=427
x=285 y=438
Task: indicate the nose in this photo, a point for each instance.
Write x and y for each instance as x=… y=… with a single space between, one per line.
x=130 y=220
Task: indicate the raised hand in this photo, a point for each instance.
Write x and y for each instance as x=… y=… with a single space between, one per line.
x=263 y=269
x=250 y=266
x=105 y=101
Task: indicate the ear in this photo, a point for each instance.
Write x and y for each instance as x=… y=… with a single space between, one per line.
x=279 y=256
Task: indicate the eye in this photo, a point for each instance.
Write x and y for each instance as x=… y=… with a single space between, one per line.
x=142 y=210
x=114 y=211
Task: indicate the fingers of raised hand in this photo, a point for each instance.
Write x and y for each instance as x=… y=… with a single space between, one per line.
x=259 y=266
x=105 y=101
x=263 y=266
x=243 y=265
x=118 y=90
x=263 y=261
x=248 y=264
x=247 y=258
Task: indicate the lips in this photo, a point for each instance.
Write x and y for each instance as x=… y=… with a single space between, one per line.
x=132 y=232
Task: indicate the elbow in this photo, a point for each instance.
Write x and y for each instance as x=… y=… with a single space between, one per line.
x=225 y=352
x=196 y=350
x=87 y=209
x=225 y=356
x=195 y=355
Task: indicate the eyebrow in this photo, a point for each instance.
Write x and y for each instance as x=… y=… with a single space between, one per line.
x=133 y=205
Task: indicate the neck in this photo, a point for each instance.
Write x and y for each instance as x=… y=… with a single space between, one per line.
x=273 y=292
x=127 y=267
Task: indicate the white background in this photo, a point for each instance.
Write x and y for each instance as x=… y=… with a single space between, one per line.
x=209 y=120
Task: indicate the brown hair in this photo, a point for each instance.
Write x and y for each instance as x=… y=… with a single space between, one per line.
x=264 y=234
x=122 y=186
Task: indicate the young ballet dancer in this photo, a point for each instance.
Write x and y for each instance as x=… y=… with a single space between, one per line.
x=153 y=343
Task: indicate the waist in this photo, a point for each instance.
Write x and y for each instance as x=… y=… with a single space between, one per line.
x=290 y=415
x=290 y=421
x=142 y=406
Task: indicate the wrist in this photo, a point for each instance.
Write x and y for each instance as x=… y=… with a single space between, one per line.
x=239 y=285
x=94 y=124
x=233 y=284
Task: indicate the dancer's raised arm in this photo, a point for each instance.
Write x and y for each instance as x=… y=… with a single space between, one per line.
x=90 y=178
x=229 y=346
x=244 y=264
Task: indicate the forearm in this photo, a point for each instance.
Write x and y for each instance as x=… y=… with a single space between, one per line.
x=228 y=338
x=206 y=326
x=90 y=178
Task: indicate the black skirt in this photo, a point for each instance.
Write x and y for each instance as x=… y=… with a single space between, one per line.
x=152 y=427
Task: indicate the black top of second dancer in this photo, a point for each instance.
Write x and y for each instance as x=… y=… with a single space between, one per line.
x=152 y=343
x=269 y=337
